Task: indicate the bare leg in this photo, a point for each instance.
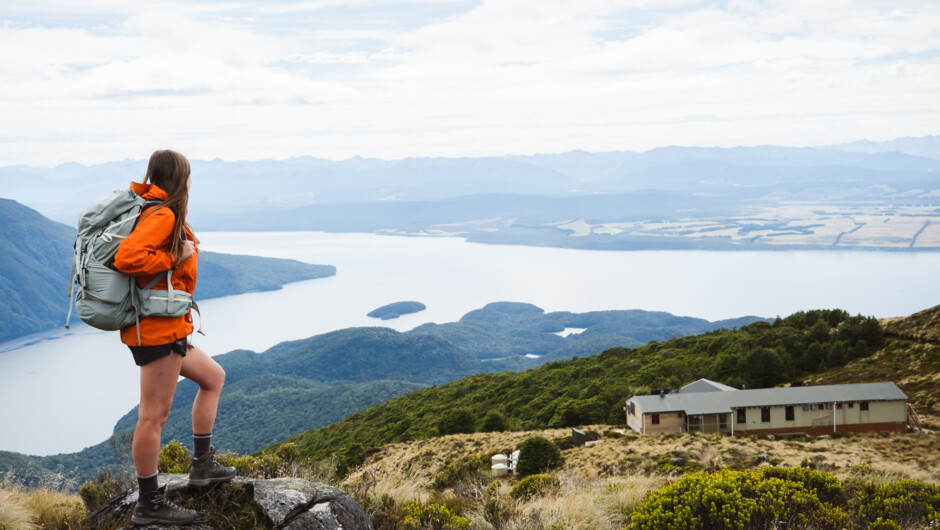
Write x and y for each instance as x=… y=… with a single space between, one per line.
x=157 y=385
x=205 y=372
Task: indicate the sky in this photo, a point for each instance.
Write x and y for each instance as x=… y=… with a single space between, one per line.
x=104 y=80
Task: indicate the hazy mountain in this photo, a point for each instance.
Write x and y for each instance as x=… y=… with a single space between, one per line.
x=267 y=186
x=927 y=146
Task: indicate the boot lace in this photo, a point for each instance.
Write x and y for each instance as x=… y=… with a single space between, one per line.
x=160 y=498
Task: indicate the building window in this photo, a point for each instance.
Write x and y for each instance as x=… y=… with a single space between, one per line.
x=742 y=416
x=851 y=404
x=632 y=409
x=765 y=414
x=862 y=405
x=789 y=411
x=655 y=419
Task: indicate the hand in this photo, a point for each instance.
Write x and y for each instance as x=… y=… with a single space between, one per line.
x=189 y=249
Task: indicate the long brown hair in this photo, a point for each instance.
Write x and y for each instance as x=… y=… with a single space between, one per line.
x=169 y=171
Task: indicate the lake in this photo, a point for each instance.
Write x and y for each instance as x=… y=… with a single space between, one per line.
x=80 y=382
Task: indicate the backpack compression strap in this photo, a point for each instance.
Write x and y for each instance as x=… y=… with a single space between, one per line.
x=170 y=295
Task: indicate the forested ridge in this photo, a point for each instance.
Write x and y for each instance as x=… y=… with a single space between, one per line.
x=593 y=390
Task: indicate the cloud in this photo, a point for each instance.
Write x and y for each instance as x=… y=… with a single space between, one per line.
x=335 y=79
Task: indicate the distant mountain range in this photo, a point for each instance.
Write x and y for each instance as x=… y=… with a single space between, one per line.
x=672 y=197
x=36 y=254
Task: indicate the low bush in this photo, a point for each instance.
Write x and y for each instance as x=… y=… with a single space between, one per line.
x=536 y=455
x=458 y=471
x=99 y=490
x=174 y=458
x=741 y=499
x=459 y=421
x=909 y=503
x=494 y=421
x=431 y=517
x=535 y=486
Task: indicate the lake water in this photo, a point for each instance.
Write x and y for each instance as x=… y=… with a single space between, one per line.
x=63 y=391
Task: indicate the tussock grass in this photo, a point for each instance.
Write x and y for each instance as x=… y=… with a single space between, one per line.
x=601 y=485
x=45 y=506
x=14 y=515
x=22 y=509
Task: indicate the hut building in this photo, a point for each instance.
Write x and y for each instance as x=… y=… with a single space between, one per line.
x=710 y=407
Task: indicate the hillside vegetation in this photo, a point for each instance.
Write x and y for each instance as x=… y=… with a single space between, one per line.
x=299 y=385
x=303 y=384
x=602 y=486
x=593 y=390
x=911 y=358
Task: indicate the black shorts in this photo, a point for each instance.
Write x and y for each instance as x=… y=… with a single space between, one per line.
x=146 y=354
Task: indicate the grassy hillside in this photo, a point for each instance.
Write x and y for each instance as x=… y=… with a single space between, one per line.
x=599 y=487
x=593 y=389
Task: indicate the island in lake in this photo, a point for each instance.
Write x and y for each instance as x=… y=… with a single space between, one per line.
x=397 y=309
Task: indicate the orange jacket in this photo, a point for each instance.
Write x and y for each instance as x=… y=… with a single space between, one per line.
x=145 y=254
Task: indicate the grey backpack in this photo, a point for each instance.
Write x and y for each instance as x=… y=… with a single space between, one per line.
x=103 y=297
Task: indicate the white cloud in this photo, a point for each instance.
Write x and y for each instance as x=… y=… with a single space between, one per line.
x=334 y=79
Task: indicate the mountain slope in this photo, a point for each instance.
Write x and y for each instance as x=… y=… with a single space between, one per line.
x=36 y=255
x=298 y=385
x=911 y=359
x=592 y=390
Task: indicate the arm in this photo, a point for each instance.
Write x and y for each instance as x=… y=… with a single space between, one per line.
x=143 y=252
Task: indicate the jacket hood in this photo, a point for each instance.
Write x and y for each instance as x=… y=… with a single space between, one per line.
x=149 y=192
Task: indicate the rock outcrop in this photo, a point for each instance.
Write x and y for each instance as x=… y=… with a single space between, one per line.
x=281 y=503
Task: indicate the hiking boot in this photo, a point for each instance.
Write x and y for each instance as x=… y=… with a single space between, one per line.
x=206 y=470
x=156 y=509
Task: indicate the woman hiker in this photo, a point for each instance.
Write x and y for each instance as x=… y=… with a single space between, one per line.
x=163 y=240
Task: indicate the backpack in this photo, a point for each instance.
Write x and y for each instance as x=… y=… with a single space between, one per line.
x=105 y=298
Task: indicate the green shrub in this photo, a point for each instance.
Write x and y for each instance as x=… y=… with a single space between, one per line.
x=432 y=516
x=100 y=489
x=456 y=422
x=742 y=500
x=494 y=421
x=909 y=503
x=884 y=525
x=174 y=458
x=535 y=486
x=454 y=472
x=263 y=467
x=351 y=457
x=288 y=452
x=537 y=454
x=827 y=487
